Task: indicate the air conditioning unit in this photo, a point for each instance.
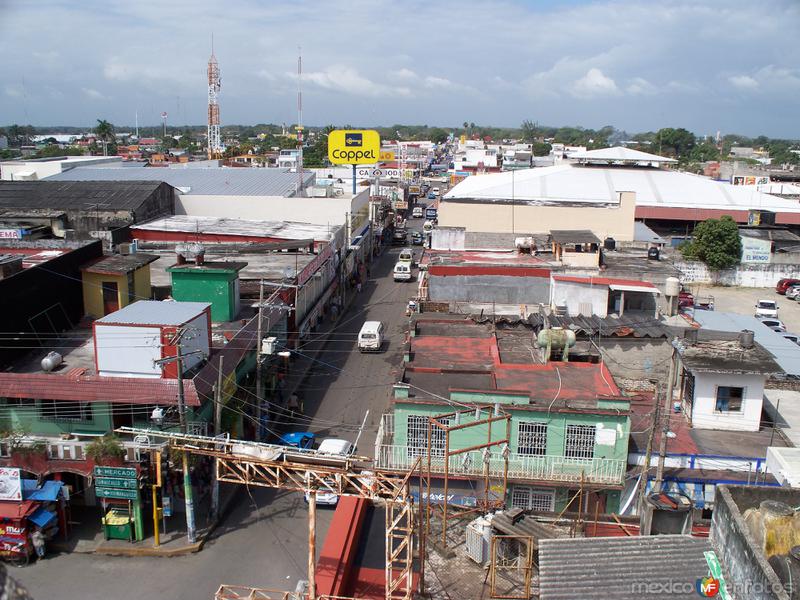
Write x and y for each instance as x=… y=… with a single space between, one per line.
x=478 y=542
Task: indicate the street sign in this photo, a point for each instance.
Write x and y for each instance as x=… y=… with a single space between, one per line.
x=112 y=482
x=115 y=493
x=354 y=147
x=124 y=472
x=371 y=173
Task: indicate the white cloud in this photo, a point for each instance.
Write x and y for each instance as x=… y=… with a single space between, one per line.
x=438 y=82
x=347 y=79
x=743 y=82
x=639 y=86
x=404 y=73
x=93 y=94
x=594 y=84
x=14 y=90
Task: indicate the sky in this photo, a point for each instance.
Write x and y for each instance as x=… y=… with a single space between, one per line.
x=639 y=65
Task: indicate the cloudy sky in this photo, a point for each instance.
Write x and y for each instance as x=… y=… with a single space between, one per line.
x=707 y=65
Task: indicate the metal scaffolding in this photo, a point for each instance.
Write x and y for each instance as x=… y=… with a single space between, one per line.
x=310 y=472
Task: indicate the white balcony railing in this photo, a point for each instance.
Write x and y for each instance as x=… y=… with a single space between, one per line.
x=539 y=468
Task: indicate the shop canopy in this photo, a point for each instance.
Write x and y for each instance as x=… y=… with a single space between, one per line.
x=49 y=492
x=42 y=517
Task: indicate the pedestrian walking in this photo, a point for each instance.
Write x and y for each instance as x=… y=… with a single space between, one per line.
x=295 y=405
x=37 y=538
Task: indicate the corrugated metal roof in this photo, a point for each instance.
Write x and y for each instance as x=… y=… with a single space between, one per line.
x=94 y=196
x=603 y=568
x=638 y=326
x=153 y=312
x=786 y=353
x=574 y=236
x=620 y=153
x=120 y=263
x=290 y=230
x=203 y=182
x=642 y=233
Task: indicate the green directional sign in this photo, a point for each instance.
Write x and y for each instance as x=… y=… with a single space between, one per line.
x=115 y=493
x=122 y=472
x=113 y=482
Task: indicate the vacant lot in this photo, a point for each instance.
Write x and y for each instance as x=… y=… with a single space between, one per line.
x=742 y=301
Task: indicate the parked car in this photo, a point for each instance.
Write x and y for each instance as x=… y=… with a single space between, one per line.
x=416 y=238
x=792 y=292
x=792 y=337
x=767 y=309
x=774 y=324
x=298 y=439
x=333 y=447
x=783 y=284
x=399 y=237
x=417 y=213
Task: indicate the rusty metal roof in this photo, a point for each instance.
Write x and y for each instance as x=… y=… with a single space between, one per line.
x=624 y=326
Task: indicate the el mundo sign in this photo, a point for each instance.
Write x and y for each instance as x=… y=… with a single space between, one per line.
x=353 y=147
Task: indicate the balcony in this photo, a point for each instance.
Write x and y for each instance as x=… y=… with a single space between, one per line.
x=520 y=467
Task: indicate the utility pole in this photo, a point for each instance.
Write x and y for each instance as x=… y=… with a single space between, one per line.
x=258 y=358
x=645 y=510
x=217 y=427
x=187 y=481
x=312 y=543
x=662 y=450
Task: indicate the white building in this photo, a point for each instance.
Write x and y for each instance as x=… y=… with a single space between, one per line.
x=603 y=296
x=39 y=168
x=721 y=381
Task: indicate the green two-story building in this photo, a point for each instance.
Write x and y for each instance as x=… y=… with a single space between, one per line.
x=556 y=429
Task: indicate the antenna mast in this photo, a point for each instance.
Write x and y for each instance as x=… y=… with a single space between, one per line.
x=299 y=122
x=214 y=137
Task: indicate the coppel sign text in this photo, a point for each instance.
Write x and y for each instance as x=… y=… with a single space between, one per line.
x=354 y=147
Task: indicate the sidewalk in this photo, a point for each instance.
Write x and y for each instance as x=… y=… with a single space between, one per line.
x=88 y=537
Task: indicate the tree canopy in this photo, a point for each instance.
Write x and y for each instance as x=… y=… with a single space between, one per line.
x=715 y=242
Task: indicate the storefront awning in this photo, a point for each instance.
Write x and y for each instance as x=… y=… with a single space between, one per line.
x=42 y=517
x=634 y=288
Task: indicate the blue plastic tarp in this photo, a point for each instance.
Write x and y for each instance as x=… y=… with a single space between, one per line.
x=42 y=517
x=49 y=491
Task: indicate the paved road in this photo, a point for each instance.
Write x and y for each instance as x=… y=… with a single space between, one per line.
x=263 y=542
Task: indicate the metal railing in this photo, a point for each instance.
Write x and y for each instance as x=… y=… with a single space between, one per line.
x=539 y=468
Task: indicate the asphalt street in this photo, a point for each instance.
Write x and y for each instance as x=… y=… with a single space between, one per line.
x=263 y=540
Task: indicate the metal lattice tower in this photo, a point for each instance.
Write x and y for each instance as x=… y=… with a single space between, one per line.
x=214 y=136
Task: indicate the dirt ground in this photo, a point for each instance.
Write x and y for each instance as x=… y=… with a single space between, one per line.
x=742 y=301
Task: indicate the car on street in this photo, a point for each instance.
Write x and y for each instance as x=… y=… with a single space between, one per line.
x=784 y=283
x=767 y=309
x=417 y=212
x=792 y=337
x=431 y=196
x=402 y=271
x=370 y=338
x=792 y=292
x=399 y=237
x=337 y=448
x=774 y=324
x=298 y=439
x=416 y=238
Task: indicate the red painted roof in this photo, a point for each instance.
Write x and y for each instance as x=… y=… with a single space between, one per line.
x=94 y=388
x=603 y=281
x=565 y=381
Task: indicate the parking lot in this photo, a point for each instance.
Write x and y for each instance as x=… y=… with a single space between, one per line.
x=742 y=301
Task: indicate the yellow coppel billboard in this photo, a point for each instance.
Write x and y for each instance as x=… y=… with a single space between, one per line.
x=354 y=146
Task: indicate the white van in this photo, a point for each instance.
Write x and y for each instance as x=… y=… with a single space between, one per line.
x=402 y=271
x=435 y=191
x=406 y=256
x=370 y=338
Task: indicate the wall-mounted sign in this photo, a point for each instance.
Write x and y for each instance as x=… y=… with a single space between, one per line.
x=354 y=147
x=371 y=173
x=10 y=484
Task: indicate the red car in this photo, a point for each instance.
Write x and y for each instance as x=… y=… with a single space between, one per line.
x=784 y=284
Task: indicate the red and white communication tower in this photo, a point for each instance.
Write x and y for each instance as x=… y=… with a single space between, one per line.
x=214 y=137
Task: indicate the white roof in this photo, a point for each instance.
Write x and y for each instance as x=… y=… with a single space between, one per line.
x=289 y=230
x=154 y=312
x=580 y=184
x=335 y=446
x=620 y=153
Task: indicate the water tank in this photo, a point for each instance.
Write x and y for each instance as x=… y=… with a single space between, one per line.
x=557 y=336
x=654 y=253
x=672 y=287
x=610 y=243
x=746 y=338
x=51 y=361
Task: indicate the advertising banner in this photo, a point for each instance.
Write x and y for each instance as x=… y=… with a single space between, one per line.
x=10 y=484
x=354 y=147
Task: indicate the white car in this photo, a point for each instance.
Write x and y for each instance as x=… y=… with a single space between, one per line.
x=767 y=309
x=774 y=324
x=334 y=447
x=417 y=212
x=792 y=337
x=793 y=291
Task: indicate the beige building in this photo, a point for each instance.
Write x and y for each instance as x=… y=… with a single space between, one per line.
x=538 y=201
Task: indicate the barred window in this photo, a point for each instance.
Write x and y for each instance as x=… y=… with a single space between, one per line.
x=580 y=441
x=532 y=439
x=528 y=498
x=417 y=436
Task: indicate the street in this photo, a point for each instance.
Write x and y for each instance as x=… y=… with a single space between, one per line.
x=263 y=541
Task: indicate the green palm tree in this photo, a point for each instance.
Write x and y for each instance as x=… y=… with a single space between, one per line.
x=104 y=131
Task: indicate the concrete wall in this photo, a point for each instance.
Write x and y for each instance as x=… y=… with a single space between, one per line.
x=93 y=291
x=744 y=564
x=448 y=238
x=704 y=415
x=636 y=358
x=319 y=211
x=614 y=221
x=489 y=288
x=743 y=275
x=577 y=296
